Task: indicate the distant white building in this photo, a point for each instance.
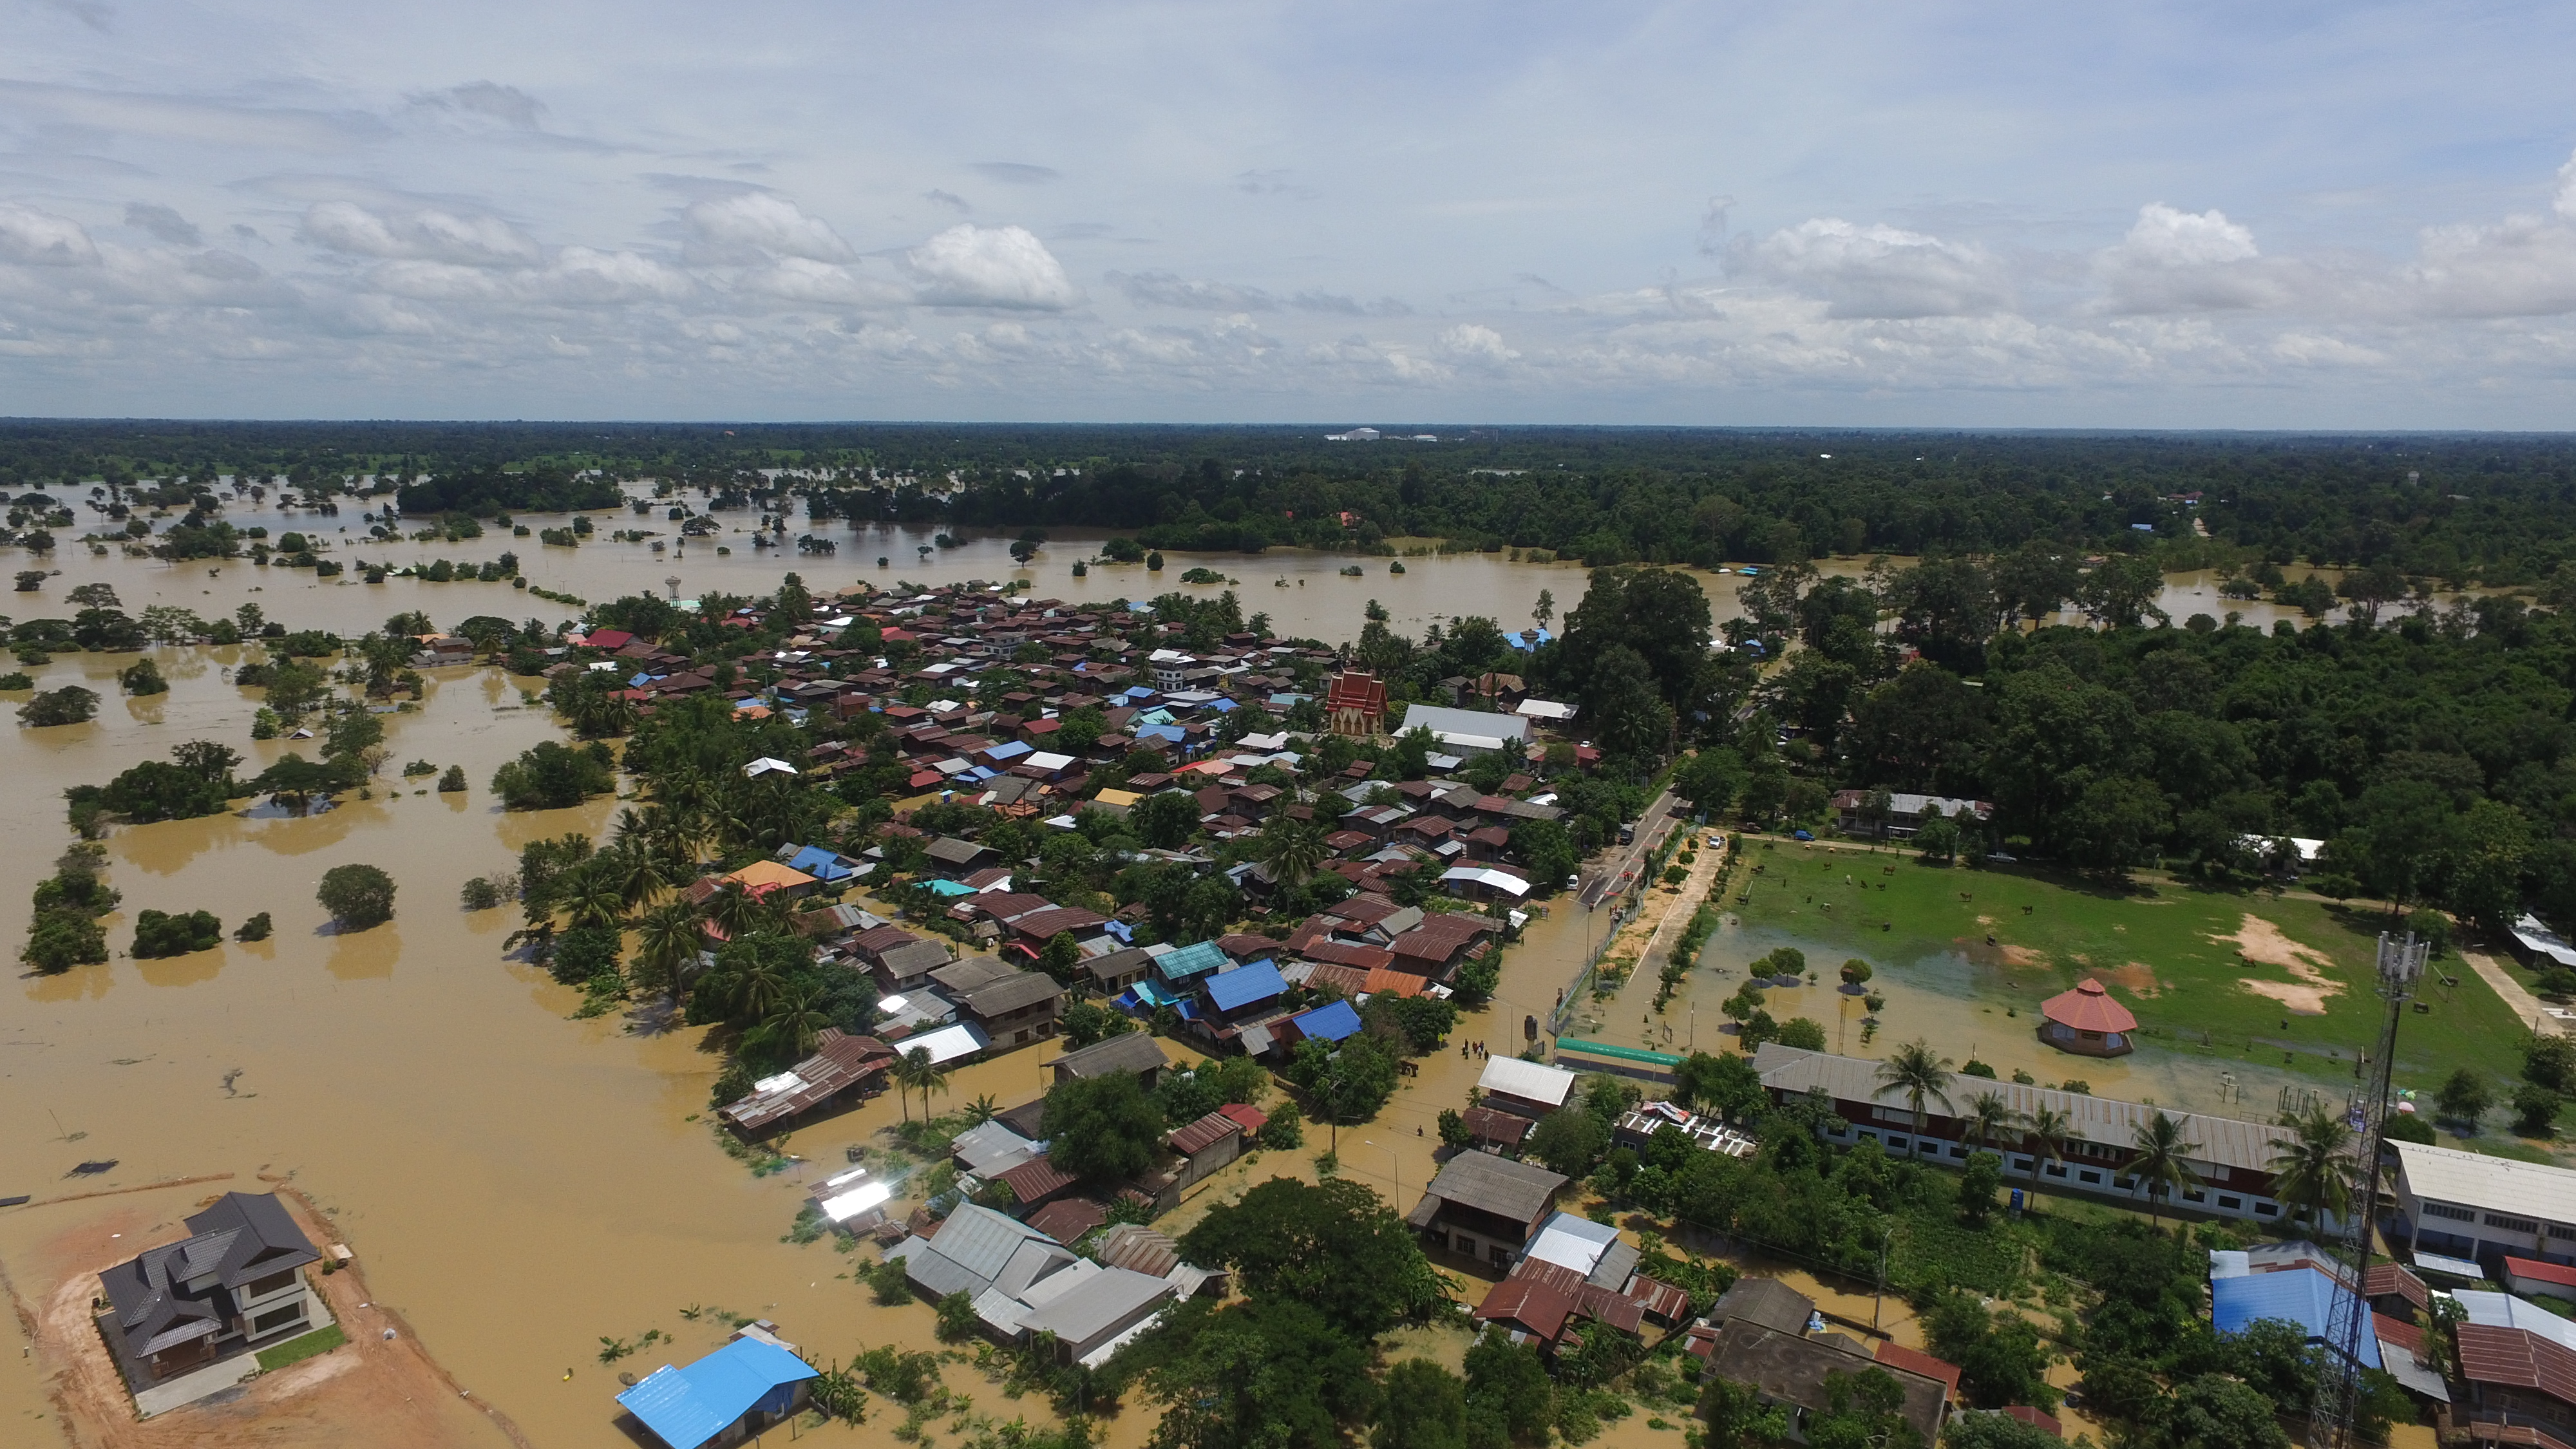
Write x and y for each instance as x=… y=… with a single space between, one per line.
x=1467 y=729
x=1355 y=435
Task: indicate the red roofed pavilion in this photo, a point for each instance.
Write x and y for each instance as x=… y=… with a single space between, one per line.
x=2087 y=1022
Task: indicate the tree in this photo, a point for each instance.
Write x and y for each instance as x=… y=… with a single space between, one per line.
x=2535 y=1110
x=1569 y=1142
x=2047 y=1128
x=1724 y=1084
x=142 y=677
x=1989 y=1117
x=1919 y=1072
x=1623 y=709
x=667 y=941
x=357 y=896
x=2312 y=1169
x=916 y=1071
x=1101 y=1129
x=1420 y=1405
x=1292 y=848
x=1087 y=1022
x=1711 y=779
x=2550 y=1061
x=1166 y=820
x=553 y=776
x=2211 y=1411
x=2159 y=1154
x=1258 y=1375
x=799 y=1019
x=1345 y=1083
x=2464 y=1097
x=156 y=934
x=1996 y=1431
x=70 y=704
x=1334 y=1246
x=1508 y=1389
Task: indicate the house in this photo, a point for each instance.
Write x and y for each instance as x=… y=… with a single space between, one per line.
x=753 y=1383
x=2231 y=1163
x=1527 y=1089
x=1593 y=1252
x=1013 y=1007
x=1790 y=1370
x=2087 y=1022
x=1637 y=1130
x=2534 y=1279
x=990 y=1149
x=907 y=966
x=842 y=1067
x=976 y=1249
x=1497 y=1131
x=1244 y=989
x=2517 y=1369
x=1118 y=970
x=952 y=857
x=1098 y=1316
x=1132 y=1051
x=1206 y=1145
x=1764 y=1301
x=233 y=1285
x=772 y=880
x=1485 y=1207
x=1905 y=812
x=2469 y=1205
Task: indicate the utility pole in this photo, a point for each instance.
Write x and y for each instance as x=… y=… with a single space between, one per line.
x=2401 y=965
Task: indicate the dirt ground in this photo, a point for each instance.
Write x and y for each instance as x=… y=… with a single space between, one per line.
x=385 y=1393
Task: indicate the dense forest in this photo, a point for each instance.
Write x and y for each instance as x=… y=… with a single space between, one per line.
x=2490 y=508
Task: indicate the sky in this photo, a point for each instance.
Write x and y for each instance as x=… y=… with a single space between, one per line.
x=2286 y=215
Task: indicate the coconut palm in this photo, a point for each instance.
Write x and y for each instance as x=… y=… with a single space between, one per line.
x=905 y=1070
x=930 y=1077
x=982 y=1110
x=591 y=898
x=639 y=874
x=2312 y=1170
x=2047 y=1128
x=2158 y=1159
x=1989 y=1117
x=1292 y=848
x=736 y=911
x=758 y=984
x=797 y=1020
x=1919 y=1072
x=667 y=941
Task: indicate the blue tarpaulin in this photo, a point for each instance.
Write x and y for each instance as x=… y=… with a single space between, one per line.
x=2302 y=1296
x=686 y=1407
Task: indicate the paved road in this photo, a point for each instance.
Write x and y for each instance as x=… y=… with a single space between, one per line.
x=2524 y=1004
x=1613 y=877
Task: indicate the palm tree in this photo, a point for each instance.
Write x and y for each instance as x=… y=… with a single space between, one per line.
x=930 y=1077
x=2160 y=1150
x=666 y=944
x=797 y=1020
x=906 y=1071
x=2047 y=1127
x=758 y=984
x=1989 y=1117
x=1292 y=848
x=736 y=911
x=639 y=874
x=1919 y=1072
x=2312 y=1170
x=593 y=899
x=982 y=1110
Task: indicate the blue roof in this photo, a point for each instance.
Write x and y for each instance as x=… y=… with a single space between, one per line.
x=1241 y=987
x=1008 y=750
x=686 y=1407
x=1190 y=961
x=819 y=863
x=945 y=889
x=1174 y=733
x=1332 y=1021
x=2302 y=1296
x=1220 y=705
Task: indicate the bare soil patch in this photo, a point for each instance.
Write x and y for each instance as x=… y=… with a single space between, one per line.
x=384 y=1393
x=2261 y=943
x=2136 y=977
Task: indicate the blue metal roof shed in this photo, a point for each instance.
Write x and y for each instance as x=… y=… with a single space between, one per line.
x=686 y=1407
x=1332 y=1021
x=1245 y=985
x=1189 y=961
x=2302 y=1296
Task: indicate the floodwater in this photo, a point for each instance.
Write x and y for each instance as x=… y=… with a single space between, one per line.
x=521 y=1184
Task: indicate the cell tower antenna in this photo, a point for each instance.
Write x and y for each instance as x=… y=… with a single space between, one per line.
x=2401 y=965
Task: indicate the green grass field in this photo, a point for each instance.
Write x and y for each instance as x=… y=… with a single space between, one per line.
x=2156 y=946
x=297 y=1350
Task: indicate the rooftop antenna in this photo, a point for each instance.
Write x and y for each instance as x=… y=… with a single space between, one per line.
x=2401 y=965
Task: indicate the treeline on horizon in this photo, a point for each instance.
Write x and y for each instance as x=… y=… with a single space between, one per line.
x=2498 y=510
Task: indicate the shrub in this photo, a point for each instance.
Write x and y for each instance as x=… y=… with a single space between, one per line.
x=553 y=776
x=479 y=894
x=453 y=781
x=61 y=940
x=157 y=934
x=255 y=929
x=17 y=679
x=2535 y=1110
x=142 y=677
x=357 y=896
x=889 y=1284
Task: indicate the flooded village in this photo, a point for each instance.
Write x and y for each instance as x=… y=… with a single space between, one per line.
x=826 y=1003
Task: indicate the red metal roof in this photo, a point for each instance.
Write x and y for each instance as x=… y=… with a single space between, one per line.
x=2540 y=1272
x=1529 y=1305
x=2088 y=1008
x=2037 y=1419
x=2517 y=1357
x=1204 y=1133
x=1915 y=1361
x=1034 y=1181
x=1250 y=1119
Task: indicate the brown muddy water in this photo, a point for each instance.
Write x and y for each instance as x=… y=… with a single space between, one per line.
x=521 y=1184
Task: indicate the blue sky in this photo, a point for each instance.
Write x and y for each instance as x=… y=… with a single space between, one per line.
x=1953 y=214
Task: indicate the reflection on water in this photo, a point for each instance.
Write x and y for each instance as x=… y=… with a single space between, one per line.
x=367 y=955
x=188 y=970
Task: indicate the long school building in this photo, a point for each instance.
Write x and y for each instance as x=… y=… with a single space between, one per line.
x=2231 y=1161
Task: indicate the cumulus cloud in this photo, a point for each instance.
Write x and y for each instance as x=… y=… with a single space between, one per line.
x=1474 y=342
x=425 y=234
x=576 y=276
x=162 y=222
x=1875 y=270
x=1167 y=289
x=2523 y=266
x=2176 y=261
x=751 y=224
x=1004 y=266
x=804 y=280
x=41 y=239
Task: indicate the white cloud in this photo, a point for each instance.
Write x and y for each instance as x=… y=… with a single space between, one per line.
x=2523 y=266
x=428 y=234
x=1875 y=271
x=1003 y=266
x=1474 y=342
x=2181 y=261
x=42 y=239
x=737 y=227
x=800 y=279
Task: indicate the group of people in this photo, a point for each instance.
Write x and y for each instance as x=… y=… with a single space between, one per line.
x=1471 y=1049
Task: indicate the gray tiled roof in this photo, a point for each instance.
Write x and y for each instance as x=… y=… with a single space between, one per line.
x=1498 y=1185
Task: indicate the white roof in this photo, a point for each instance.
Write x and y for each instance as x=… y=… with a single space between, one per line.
x=1047 y=760
x=2496 y=1184
x=866 y=1197
x=1544 y=709
x=1501 y=880
x=767 y=765
x=2535 y=935
x=1529 y=1081
x=946 y=1044
x=1465 y=722
x=1572 y=1242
